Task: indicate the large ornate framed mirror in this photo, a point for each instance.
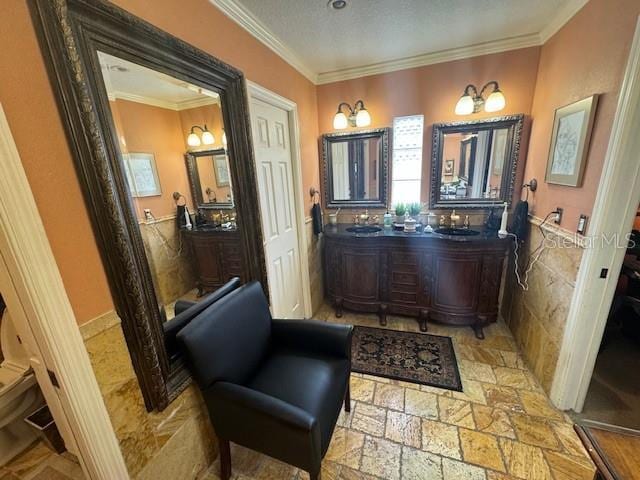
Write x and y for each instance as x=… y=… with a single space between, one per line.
x=356 y=168
x=473 y=164
x=110 y=70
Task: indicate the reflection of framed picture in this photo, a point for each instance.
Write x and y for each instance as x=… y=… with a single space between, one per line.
x=142 y=174
x=570 y=142
x=222 y=170
x=448 y=167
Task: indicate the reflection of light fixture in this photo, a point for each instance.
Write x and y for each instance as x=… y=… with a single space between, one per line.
x=472 y=102
x=193 y=140
x=224 y=139
x=358 y=116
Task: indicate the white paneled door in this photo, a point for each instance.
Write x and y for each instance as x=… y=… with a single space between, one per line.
x=270 y=126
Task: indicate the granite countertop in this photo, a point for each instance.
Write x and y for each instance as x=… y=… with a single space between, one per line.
x=340 y=231
x=211 y=228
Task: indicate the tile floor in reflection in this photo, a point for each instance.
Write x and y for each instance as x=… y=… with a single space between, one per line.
x=501 y=427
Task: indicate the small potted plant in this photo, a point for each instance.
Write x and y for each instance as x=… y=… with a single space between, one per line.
x=401 y=210
x=414 y=210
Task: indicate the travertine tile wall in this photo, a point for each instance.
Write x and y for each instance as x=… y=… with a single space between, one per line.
x=168 y=256
x=175 y=443
x=537 y=316
x=314 y=251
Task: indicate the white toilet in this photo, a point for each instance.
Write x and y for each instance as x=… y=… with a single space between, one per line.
x=19 y=393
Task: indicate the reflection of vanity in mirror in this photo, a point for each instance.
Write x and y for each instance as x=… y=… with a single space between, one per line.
x=474 y=163
x=355 y=168
x=214 y=240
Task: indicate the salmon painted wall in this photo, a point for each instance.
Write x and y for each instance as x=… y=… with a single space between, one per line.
x=150 y=129
x=30 y=106
x=433 y=91
x=586 y=56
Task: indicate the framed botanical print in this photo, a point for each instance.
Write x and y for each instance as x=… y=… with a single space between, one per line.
x=142 y=174
x=572 y=127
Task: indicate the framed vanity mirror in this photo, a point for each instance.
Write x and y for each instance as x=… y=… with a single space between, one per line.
x=356 y=168
x=209 y=179
x=473 y=164
x=134 y=99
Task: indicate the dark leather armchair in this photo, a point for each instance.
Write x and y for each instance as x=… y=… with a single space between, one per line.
x=275 y=386
x=185 y=311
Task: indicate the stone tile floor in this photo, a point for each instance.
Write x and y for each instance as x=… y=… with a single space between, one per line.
x=39 y=462
x=501 y=427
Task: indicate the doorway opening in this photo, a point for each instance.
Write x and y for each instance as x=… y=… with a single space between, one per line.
x=613 y=396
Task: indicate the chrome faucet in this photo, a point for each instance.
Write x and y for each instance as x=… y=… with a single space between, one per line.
x=454 y=218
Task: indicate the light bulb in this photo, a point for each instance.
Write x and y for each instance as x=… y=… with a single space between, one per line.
x=208 y=138
x=495 y=102
x=464 y=105
x=193 y=140
x=340 y=121
x=363 y=118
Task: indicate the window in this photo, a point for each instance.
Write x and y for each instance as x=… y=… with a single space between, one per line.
x=407 y=159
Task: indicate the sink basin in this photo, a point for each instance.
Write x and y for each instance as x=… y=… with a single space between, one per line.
x=365 y=229
x=463 y=232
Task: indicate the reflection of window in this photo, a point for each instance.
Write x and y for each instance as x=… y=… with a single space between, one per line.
x=407 y=159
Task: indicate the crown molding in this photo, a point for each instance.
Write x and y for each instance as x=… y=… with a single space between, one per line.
x=176 y=106
x=239 y=14
x=442 y=56
x=565 y=14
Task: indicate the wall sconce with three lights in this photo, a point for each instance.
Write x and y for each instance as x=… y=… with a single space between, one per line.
x=358 y=116
x=472 y=102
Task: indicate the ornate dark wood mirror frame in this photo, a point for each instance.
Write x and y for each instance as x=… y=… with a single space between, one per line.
x=383 y=167
x=191 y=159
x=71 y=33
x=513 y=123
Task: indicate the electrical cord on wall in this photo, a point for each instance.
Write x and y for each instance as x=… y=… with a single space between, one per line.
x=171 y=252
x=523 y=280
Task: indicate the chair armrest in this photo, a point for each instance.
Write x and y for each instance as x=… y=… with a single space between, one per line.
x=265 y=423
x=313 y=335
x=181 y=305
x=257 y=404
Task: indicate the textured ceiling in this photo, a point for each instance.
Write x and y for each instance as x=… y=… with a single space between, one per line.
x=373 y=31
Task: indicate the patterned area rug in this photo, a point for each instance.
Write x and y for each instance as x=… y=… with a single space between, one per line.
x=408 y=356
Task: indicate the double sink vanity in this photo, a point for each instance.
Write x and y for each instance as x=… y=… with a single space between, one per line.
x=444 y=277
x=450 y=275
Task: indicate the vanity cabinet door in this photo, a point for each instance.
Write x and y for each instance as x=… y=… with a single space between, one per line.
x=457 y=284
x=360 y=275
x=208 y=260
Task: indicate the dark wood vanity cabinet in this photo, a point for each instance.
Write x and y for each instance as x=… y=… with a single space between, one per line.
x=430 y=277
x=217 y=257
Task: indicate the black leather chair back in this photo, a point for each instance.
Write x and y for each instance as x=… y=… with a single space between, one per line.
x=228 y=340
x=177 y=323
